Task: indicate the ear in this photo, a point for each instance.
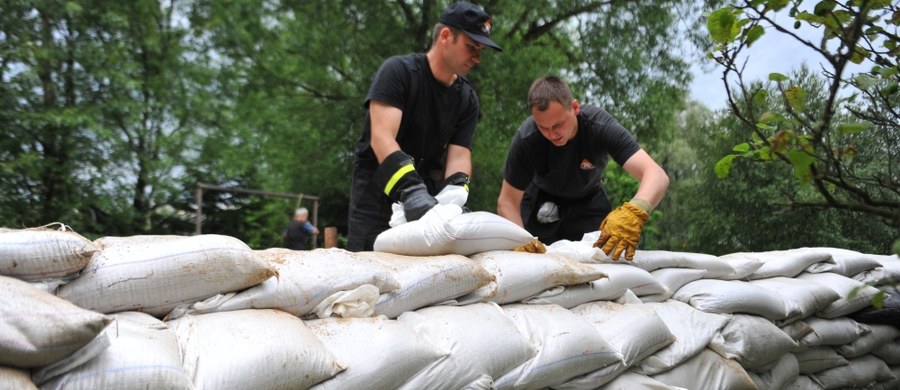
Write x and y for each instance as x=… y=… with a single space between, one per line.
x=446 y=35
x=575 y=107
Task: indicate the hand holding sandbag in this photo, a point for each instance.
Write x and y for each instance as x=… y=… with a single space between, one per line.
x=621 y=230
x=416 y=201
x=454 y=190
x=398 y=178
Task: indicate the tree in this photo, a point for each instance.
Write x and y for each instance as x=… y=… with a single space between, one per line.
x=746 y=213
x=844 y=151
x=102 y=114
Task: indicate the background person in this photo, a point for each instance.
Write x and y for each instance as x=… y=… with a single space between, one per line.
x=298 y=232
x=419 y=126
x=553 y=176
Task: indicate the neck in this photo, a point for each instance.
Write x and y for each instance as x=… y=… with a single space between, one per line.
x=440 y=73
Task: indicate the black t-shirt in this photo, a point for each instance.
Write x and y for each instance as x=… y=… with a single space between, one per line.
x=575 y=169
x=434 y=115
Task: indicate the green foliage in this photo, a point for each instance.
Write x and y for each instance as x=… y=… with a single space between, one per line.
x=748 y=211
x=818 y=130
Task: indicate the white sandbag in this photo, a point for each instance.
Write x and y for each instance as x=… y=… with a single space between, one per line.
x=154 y=274
x=786 y=369
x=356 y=303
x=672 y=279
x=802 y=382
x=818 y=359
x=567 y=346
x=889 y=352
x=715 y=266
x=693 y=331
x=143 y=353
x=887 y=273
x=38 y=329
x=582 y=251
x=784 y=263
x=708 y=370
x=252 y=349
x=445 y=229
x=833 y=331
x=846 y=262
x=797 y=330
x=482 y=340
x=855 y=296
x=620 y=278
x=878 y=336
x=15 y=378
x=426 y=280
x=859 y=373
x=571 y=296
x=629 y=277
x=630 y=380
x=451 y=194
x=890 y=384
x=304 y=280
x=807 y=298
x=43 y=253
x=481 y=231
x=733 y=296
x=754 y=342
x=635 y=330
x=522 y=275
x=379 y=353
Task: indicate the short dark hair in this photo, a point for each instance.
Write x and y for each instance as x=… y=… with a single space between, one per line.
x=437 y=32
x=549 y=89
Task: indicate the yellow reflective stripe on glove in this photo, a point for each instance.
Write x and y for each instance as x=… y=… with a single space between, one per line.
x=621 y=230
x=396 y=177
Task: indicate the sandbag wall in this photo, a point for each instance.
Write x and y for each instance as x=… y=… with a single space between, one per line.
x=208 y=312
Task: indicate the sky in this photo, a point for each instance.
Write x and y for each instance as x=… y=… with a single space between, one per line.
x=773 y=52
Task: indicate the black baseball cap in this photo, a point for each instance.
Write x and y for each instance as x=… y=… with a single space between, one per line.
x=472 y=20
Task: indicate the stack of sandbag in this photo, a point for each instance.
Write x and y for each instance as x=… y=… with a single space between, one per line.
x=208 y=312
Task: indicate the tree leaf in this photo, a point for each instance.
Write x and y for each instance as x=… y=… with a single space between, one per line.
x=722 y=24
x=723 y=166
x=801 y=162
x=742 y=148
x=852 y=127
x=796 y=97
x=777 y=77
x=760 y=97
x=777 y=5
x=754 y=33
x=824 y=7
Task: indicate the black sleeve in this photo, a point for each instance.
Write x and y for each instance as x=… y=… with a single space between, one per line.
x=390 y=84
x=519 y=168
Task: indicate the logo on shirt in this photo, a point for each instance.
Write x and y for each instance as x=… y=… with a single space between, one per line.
x=586 y=165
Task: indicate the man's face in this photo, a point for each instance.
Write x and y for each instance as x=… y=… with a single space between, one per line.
x=557 y=123
x=465 y=53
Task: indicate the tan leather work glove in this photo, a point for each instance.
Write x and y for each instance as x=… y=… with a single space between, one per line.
x=534 y=246
x=621 y=230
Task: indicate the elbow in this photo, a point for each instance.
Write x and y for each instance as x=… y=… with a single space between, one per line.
x=664 y=179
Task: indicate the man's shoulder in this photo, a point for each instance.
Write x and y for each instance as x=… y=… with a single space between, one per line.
x=409 y=62
x=592 y=111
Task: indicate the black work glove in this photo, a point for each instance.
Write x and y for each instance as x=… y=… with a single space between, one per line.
x=416 y=201
x=397 y=177
x=456 y=179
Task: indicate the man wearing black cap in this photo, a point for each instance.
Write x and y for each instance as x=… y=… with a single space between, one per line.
x=419 y=126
